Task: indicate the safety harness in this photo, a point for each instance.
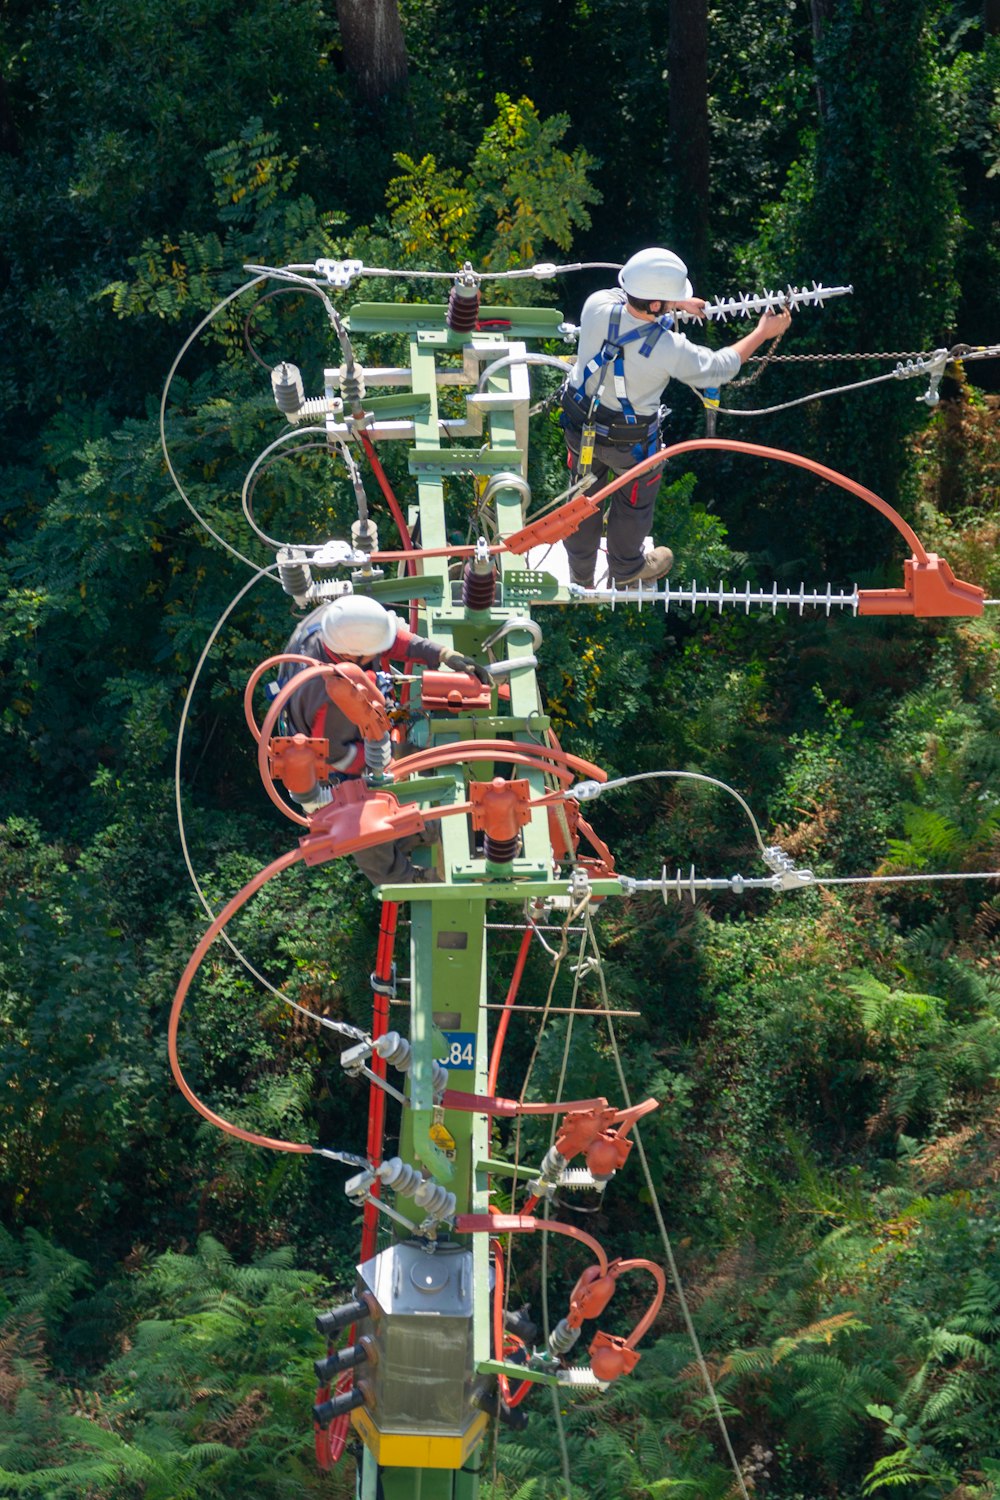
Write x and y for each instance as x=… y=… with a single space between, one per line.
x=382 y=673
x=611 y=355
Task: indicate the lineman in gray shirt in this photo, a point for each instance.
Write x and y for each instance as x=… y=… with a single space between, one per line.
x=628 y=353
x=356 y=628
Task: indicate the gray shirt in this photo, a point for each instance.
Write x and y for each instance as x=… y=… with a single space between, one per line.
x=309 y=711
x=673 y=357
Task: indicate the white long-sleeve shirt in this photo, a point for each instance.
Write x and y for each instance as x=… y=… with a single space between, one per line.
x=673 y=357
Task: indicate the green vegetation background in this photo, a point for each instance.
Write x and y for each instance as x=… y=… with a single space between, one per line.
x=827 y=1064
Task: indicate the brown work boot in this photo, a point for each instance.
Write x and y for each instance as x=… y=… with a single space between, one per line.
x=659 y=561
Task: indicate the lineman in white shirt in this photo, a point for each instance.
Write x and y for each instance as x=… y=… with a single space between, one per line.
x=628 y=352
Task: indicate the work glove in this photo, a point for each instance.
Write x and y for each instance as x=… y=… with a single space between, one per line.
x=459 y=663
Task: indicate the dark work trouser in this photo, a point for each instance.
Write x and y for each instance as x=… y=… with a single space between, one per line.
x=387 y=864
x=629 y=511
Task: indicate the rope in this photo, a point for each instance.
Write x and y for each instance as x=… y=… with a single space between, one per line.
x=657 y=1211
x=557 y=959
x=544 y=1260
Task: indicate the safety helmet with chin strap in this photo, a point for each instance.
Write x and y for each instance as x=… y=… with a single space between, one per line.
x=358 y=626
x=655 y=275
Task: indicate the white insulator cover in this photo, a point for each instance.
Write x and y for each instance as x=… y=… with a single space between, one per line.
x=553 y=1166
x=562 y=1338
x=398 y=1053
x=437 y=1200
x=400 y=1176
x=378 y=754
x=581 y=1378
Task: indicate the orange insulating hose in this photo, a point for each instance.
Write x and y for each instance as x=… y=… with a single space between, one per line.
x=498 y=1331
x=257 y=674
x=648 y=1318
x=460 y=750
x=492 y=1223
x=756 y=450
x=727 y=445
x=193 y=965
x=316 y=669
x=504 y=1022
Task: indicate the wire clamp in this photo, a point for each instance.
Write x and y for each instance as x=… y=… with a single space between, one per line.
x=347 y=1158
x=938 y=363
x=585 y=791
x=339 y=272
x=385 y=987
x=356 y=1188
x=353 y=1060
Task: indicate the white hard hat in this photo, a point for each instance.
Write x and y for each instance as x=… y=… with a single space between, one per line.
x=358 y=626
x=655 y=275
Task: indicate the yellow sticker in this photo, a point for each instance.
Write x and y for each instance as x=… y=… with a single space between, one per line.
x=442 y=1137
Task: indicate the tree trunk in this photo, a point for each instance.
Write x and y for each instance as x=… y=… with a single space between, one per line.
x=687 y=60
x=374 y=48
x=991 y=17
x=822 y=11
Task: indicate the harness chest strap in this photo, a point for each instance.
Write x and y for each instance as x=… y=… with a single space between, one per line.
x=612 y=352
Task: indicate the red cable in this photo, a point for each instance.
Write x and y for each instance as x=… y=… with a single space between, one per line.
x=376 y=1095
x=504 y=1022
x=388 y=492
x=193 y=965
x=400 y=520
x=499 y=1337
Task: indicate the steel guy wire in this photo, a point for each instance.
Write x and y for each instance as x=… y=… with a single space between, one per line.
x=260 y=462
x=234 y=551
x=289 y=453
x=557 y=958
x=544 y=1257
x=340 y=1027
x=661 y=1225
x=584 y=791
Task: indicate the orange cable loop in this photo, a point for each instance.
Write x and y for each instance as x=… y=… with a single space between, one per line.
x=503 y=750
x=524 y=539
x=315 y=669
x=648 y=1318
x=257 y=674
x=193 y=965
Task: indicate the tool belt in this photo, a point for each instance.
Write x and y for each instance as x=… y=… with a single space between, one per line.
x=609 y=425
